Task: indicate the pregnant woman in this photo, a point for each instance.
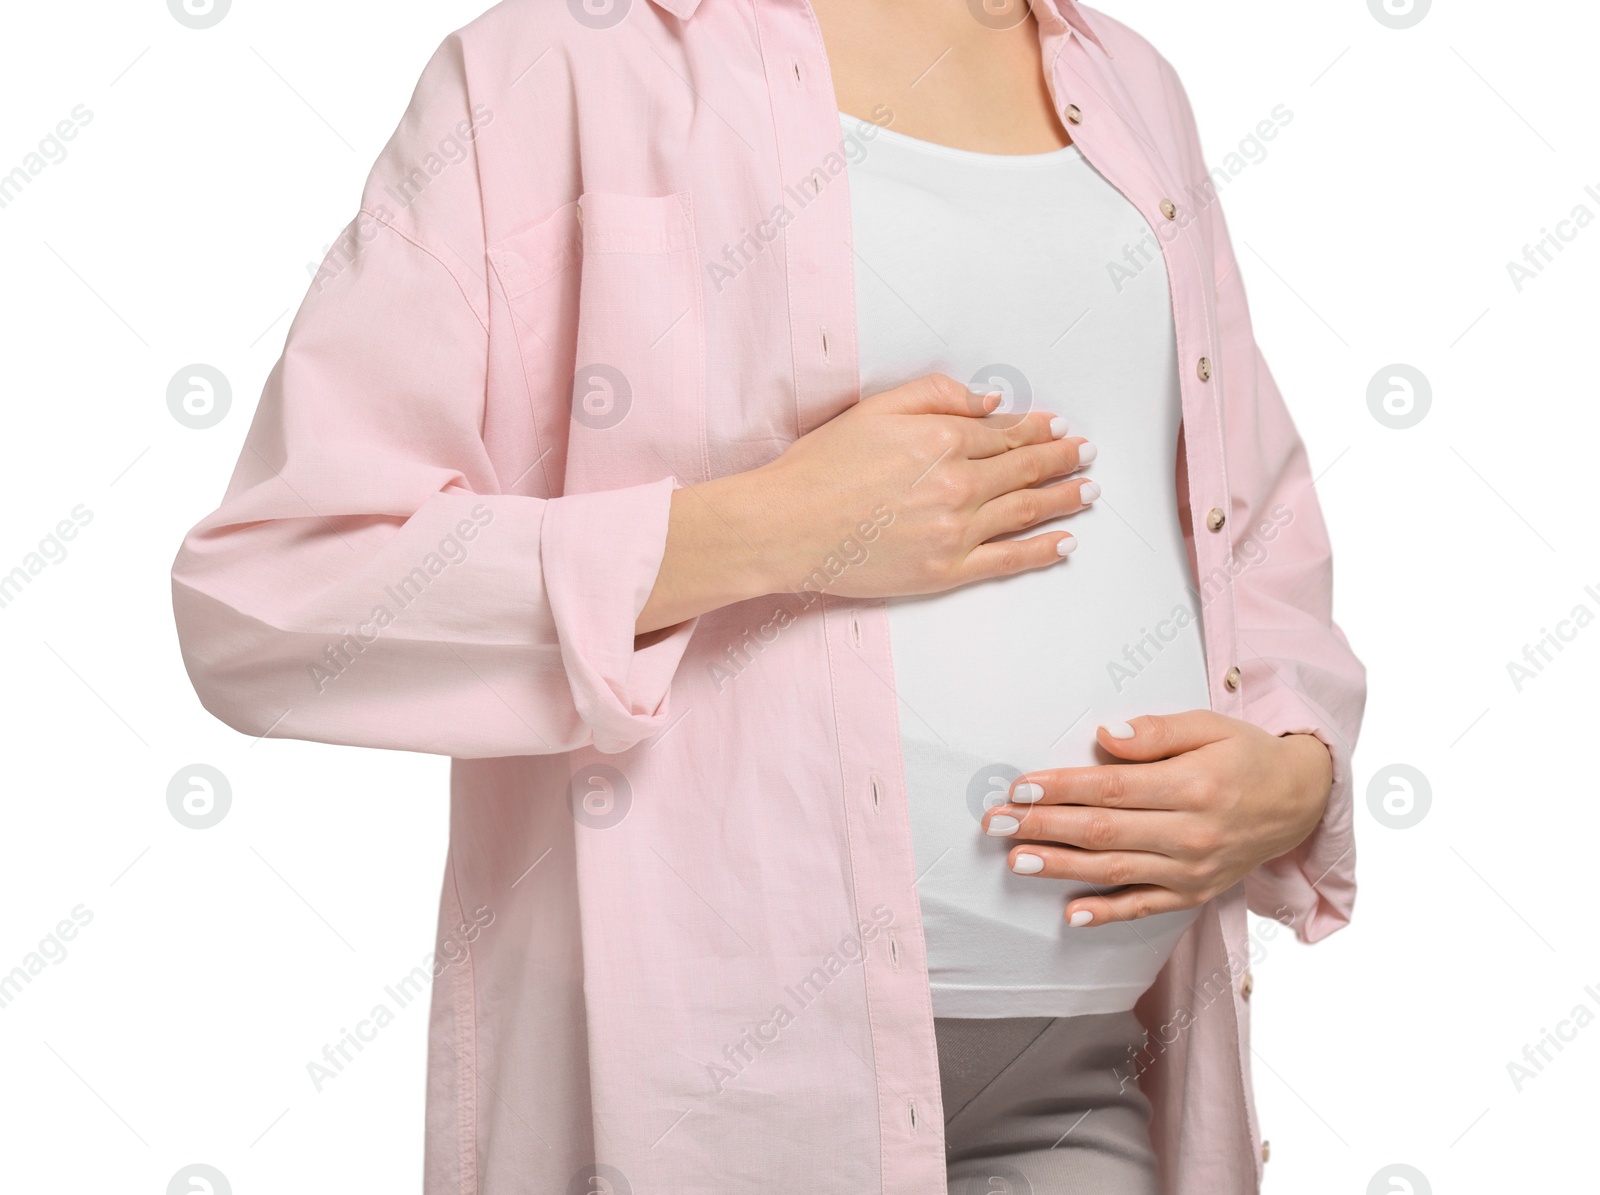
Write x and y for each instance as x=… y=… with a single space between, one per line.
x=810 y=467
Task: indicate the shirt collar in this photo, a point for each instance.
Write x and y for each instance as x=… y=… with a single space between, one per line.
x=1051 y=14
x=682 y=9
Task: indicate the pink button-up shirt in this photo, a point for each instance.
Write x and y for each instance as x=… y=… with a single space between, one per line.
x=681 y=952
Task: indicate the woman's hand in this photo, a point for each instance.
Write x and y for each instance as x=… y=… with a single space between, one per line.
x=897 y=495
x=935 y=476
x=1205 y=800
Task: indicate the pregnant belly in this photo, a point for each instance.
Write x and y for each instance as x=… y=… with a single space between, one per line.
x=1014 y=675
x=1021 y=669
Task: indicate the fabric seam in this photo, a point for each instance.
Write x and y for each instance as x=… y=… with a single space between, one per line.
x=444 y=265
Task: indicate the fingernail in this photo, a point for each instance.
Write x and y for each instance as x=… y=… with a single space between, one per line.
x=1081 y=918
x=1086 y=453
x=1027 y=865
x=1002 y=826
x=1118 y=730
x=1027 y=793
x=1058 y=427
x=1088 y=492
x=1068 y=546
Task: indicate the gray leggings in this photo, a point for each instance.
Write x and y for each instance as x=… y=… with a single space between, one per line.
x=1042 y=1106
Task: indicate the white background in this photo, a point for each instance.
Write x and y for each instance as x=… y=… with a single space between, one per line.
x=1375 y=231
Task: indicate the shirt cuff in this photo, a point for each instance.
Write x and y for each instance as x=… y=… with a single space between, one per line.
x=600 y=553
x=1312 y=887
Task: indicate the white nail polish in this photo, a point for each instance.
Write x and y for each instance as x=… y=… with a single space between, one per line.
x=1028 y=865
x=1067 y=546
x=1058 y=427
x=1003 y=826
x=1027 y=793
x=1081 y=918
x=1118 y=730
x=1089 y=491
x=1086 y=453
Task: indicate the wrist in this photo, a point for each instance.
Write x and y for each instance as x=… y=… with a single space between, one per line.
x=749 y=531
x=1313 y=763
x=708 y=561
x=721 y=548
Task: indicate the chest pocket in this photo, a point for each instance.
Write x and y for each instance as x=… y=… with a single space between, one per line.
x=609 y=318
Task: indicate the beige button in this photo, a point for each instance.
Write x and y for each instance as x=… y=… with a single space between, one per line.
x=1266 y=1151
x=1247 y=985
x=1074 y=114
x=1231 y=678
x=1169 y=209
x=1216 y=519
x=1203 y=368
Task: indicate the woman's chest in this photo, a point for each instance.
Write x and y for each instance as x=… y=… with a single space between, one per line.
x=970 y=75
x=678 y=293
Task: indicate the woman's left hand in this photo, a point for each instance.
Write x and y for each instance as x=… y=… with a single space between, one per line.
x=1203 y=800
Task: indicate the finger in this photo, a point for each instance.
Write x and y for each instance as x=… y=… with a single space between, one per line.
x=1029 y=465
x=936 y=394
x=1131 y=904
x=1024 y=508
x=1089 y=828
x=1160 y=784
x=1007 y=557
x=999 y=433
x=1105 y=870
x=1162 y=736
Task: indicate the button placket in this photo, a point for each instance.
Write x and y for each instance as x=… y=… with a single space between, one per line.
x=1149 y=180
x=875 y=833
x=1148 y=183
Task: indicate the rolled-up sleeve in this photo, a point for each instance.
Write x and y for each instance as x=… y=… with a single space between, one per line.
x=371 y=577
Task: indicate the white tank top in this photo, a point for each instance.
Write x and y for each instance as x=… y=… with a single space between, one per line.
x=1014 y=272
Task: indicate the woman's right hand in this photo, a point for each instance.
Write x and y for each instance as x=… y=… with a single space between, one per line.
x=900 y=494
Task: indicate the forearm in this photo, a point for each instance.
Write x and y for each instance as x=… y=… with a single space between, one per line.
x=718 y=552
x=916 y=472
x=1313 y=772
